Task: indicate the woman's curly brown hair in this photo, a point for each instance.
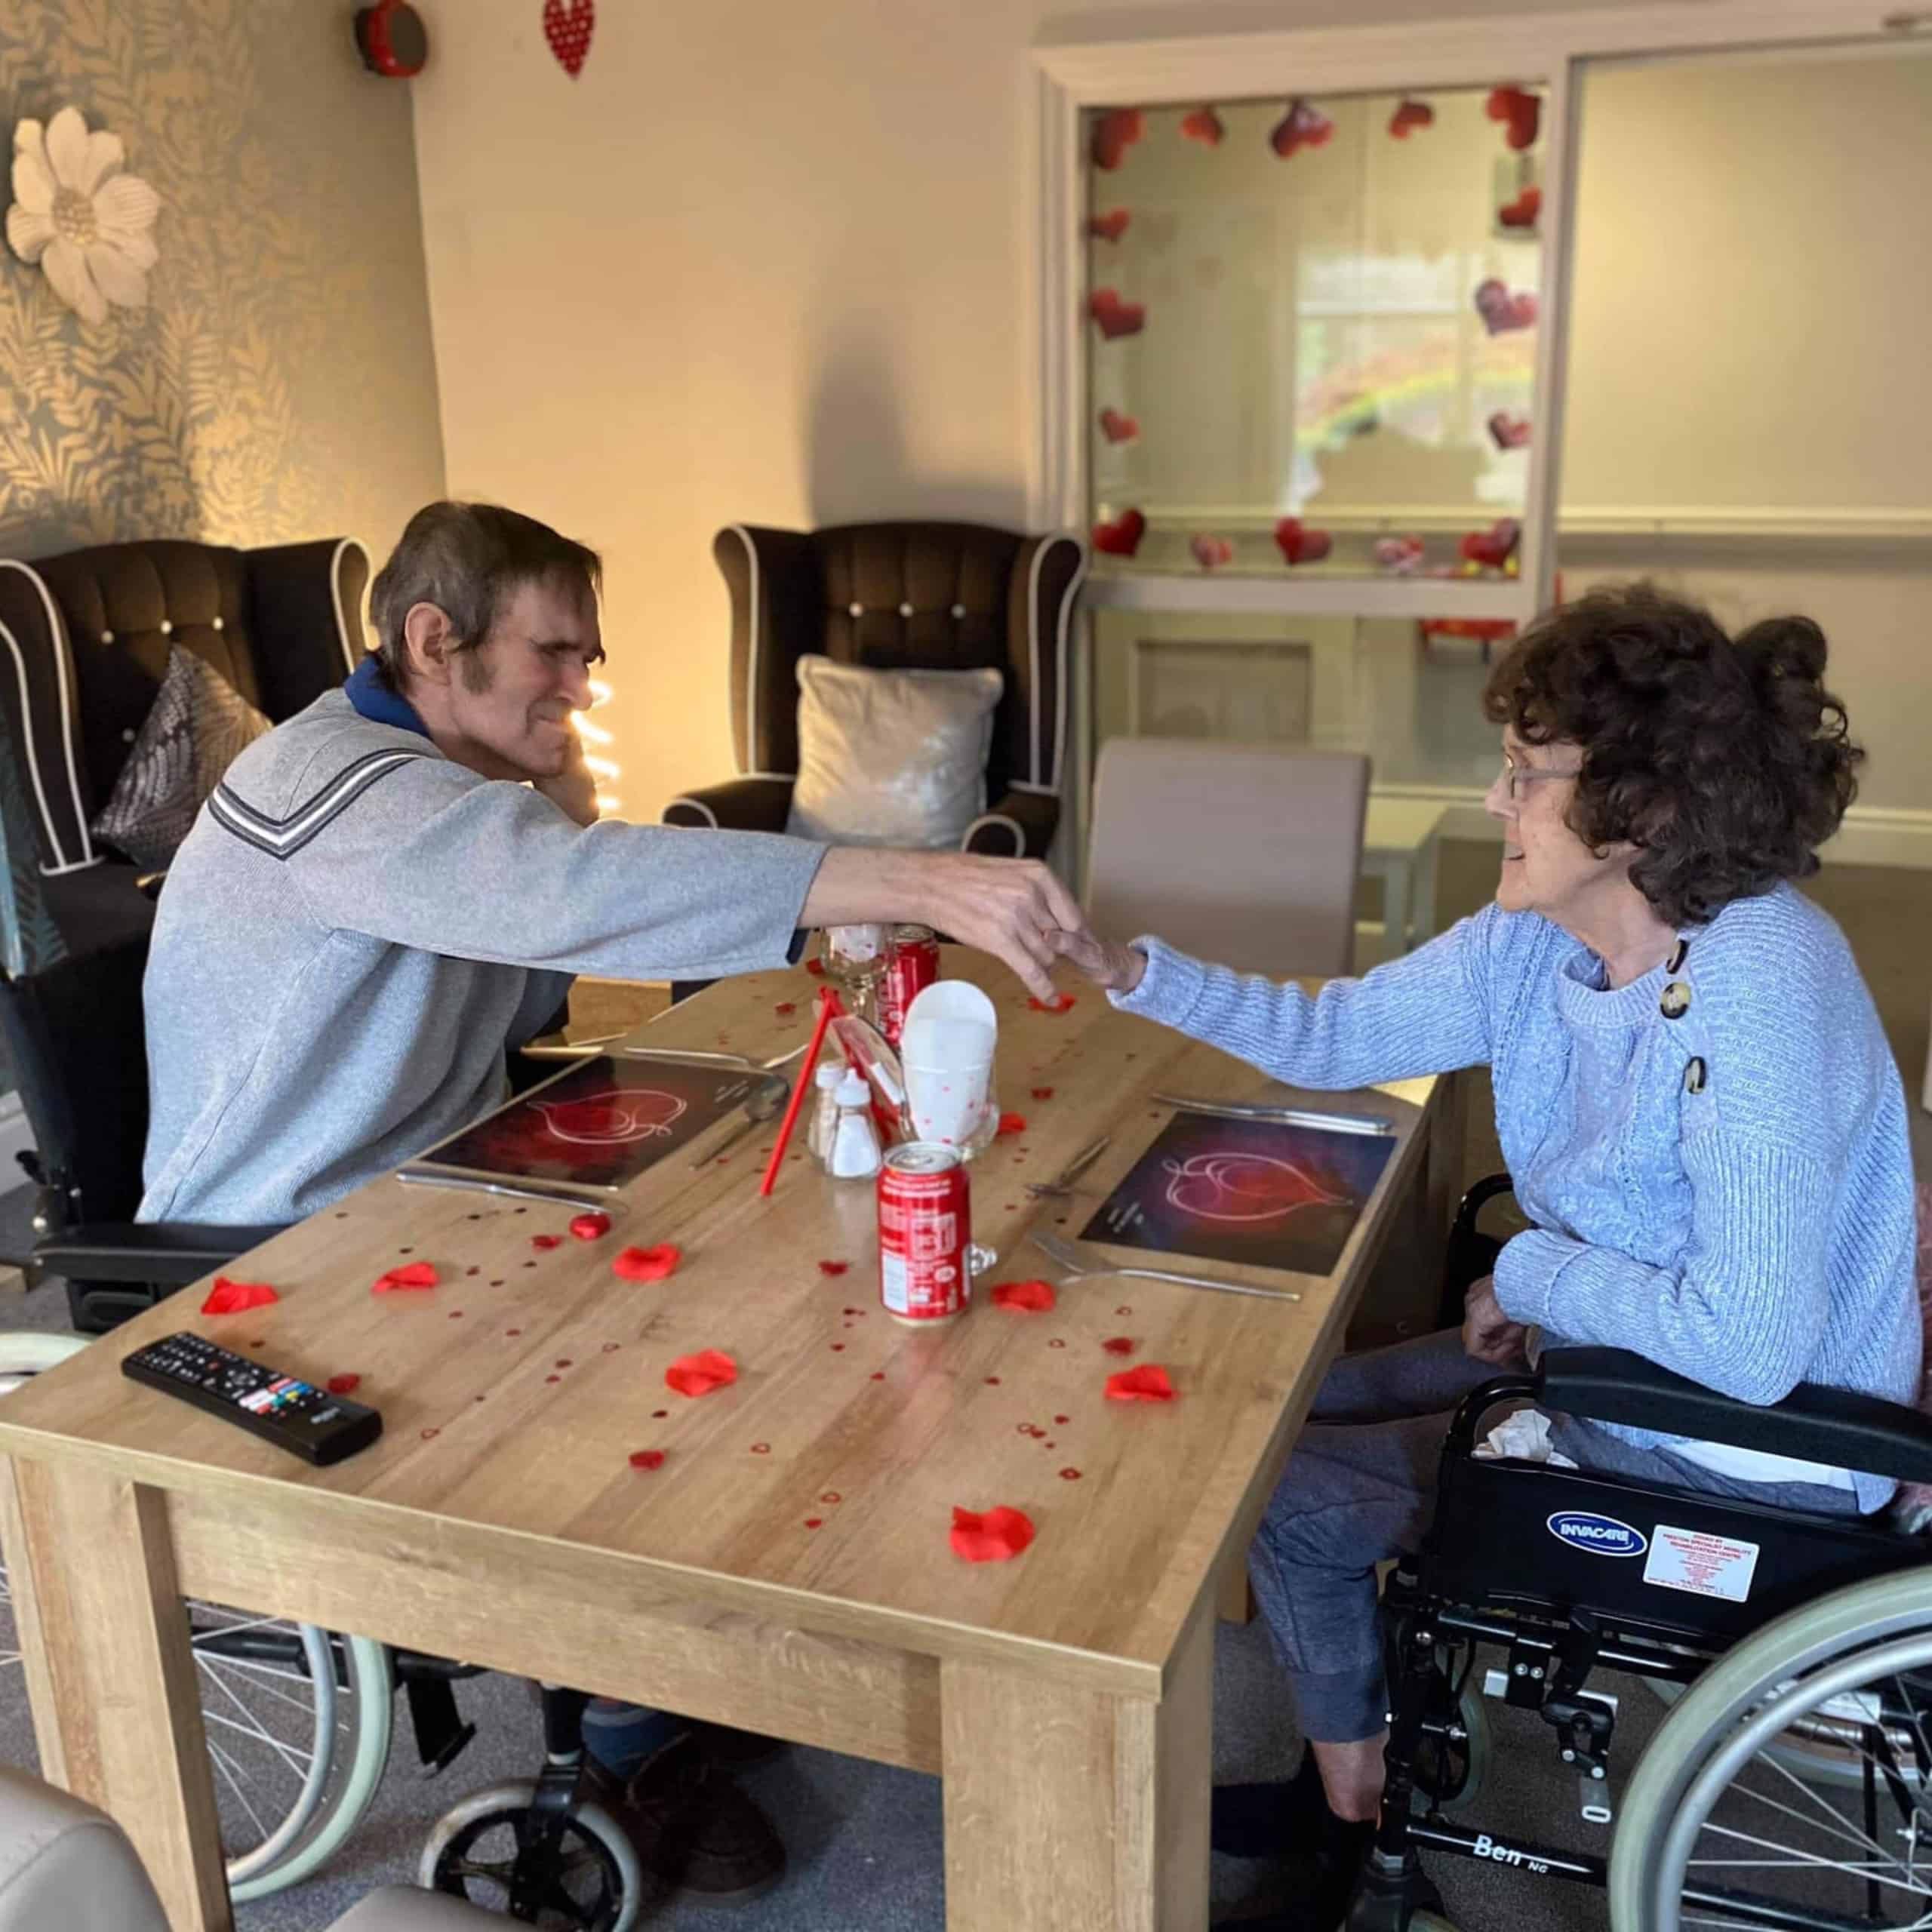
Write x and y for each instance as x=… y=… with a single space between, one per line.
x=1726 y=762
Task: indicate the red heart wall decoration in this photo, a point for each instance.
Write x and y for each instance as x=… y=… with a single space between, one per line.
x=1114 y=133
x=1121 y=537
x=1494 y=547
x=1299 y=545
x=1110 y=227
x=1303 y=126
x=1502 y=309
x=1409 y=114
x=1401 y=554
x=1117 y=427
x=567 y=29
x=1116 y=318
x=1522 y=212
x=1203 y=125
x=1211 y=552
x=1508 y=432
x=1521 y=111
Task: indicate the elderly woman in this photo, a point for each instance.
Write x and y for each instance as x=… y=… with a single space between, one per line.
x=1705 y=1125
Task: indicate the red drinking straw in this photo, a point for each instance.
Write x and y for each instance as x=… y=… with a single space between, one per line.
x=829 y=1007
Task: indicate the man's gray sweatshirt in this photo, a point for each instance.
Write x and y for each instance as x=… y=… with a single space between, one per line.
x=357 y=927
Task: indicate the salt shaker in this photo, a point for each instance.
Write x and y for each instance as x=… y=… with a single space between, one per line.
x=855 y=1153
x=825 y=1110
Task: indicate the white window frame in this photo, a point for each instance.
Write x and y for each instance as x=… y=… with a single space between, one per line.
x=1546 y=50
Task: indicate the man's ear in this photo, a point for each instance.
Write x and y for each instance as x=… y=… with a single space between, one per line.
x=428 y=642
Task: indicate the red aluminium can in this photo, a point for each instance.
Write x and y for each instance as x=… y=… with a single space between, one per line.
x=925 y=1223
x=911 y=966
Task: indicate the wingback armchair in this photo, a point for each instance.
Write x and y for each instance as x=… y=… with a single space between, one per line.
x=898 y=596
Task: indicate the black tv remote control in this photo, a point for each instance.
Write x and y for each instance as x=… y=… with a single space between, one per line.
x=293 y=1414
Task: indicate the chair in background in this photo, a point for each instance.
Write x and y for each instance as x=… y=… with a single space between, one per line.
x=64 y=1864
x=1245 y=856
x=89 y=634
x=900 y=597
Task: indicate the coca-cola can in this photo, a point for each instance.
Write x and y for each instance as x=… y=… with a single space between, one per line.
x=925 y=1225
x=912 y=965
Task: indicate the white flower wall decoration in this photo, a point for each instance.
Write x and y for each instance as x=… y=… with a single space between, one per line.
x=88 y=225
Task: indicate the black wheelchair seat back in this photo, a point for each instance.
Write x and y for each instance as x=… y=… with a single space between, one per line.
x=1663 y=1563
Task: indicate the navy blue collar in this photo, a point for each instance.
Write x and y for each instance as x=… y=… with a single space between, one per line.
x=369 y=691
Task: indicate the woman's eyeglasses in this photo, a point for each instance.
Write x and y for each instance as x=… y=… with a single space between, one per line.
x=1515 y=777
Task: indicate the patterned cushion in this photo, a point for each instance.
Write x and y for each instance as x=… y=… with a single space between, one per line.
x=197 y=724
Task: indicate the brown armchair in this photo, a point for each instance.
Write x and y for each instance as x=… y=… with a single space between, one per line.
x=898 y=596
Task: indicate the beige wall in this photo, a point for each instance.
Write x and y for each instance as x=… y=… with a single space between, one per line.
x=281 y=384
x=758 y=261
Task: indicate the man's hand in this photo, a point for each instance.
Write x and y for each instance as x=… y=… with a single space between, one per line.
x=1107 y=962
x=572 y=791
x=1488 y=1334
x=1011 y=908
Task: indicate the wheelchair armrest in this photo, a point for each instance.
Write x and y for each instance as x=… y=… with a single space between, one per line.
x=738 y=804
x=1833 y=1426
x=167 y=1254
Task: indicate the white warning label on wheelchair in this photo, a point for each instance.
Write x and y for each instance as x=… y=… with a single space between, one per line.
x=1706 y=1565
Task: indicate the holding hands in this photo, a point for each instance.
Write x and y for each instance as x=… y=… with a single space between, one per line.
x=1488 y=1334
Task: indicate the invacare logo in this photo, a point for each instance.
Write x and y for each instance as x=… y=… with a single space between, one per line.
x=1602 y=1536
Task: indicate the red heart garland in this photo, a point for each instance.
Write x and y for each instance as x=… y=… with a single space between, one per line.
x=1502 y=309
x=411 y=1274
x=1116 y=318
x=1522 y=111
x=699 y=1374
x=1494 y=547
x=648 y=1264
x=1121 y=538
x=1117 y=427
x=1402 y=554
x=567 y=29
x=1509 y=433
x=1114 y=132
x=1303 y=126
x=1147 y=1383
x=1522 y=212
x=1299 y=545
x=1028 y=1297
x=1110 y=227
x=1203 y=125
x=1211 y=552
x=1410 y=114
x=991 y=1538
x=228 y=1298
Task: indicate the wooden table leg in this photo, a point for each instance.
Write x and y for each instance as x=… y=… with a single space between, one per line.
x=1068 y=1810
x=110 y=1673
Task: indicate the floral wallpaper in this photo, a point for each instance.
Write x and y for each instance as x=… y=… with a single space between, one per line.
x=281 y=384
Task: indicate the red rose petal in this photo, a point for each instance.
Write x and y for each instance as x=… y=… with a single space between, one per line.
x=1059 y=1003
x=1043 y=1092
x=647 y=1458
x=786 y=1008
x=814 y=1522
x=992 y=1537
x=831 y=1496
x=878 y=1375
x=1029 y=1297
x=1070 y=1475
x=648 y=1264
x=592 y=1226
x=1012 y=1123
x=228 y=1298
x=1147 y=1383
x=761 y=1448
x=815 y=968
x=699 y=1374
x=833 y=1268
x=1120 y=1344
x=547 y=1242
x=411 y=1274
x=429 y=1434
x=343 y=1384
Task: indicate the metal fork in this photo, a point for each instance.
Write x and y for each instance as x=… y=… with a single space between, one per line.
x=1077 y=1265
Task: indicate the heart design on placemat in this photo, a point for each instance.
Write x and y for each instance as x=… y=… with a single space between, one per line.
x=1117 y=427
x=1121 y=537
x=567 y=29
x=1300 y=545
x=1116 y=318
x=1110 y=227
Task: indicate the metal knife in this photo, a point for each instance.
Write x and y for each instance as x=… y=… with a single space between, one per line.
x=557 y=1197
x=1294 y=1116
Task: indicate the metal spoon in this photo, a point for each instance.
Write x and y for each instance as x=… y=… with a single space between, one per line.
x=764 y=1107
x=1077 y=1265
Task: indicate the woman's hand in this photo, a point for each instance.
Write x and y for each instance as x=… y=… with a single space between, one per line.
x=1106 y=962
x=1488 y=1334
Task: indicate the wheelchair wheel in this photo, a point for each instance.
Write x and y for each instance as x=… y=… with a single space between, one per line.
x=1718 y=1828
x=298 y=1721
x=597 y=1885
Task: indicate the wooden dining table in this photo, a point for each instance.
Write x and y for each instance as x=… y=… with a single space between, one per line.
x=787 y=1567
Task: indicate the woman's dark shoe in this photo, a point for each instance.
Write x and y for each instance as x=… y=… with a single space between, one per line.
x=693 y=1829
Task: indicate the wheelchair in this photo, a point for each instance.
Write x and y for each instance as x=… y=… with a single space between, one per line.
x=1790 y=1784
